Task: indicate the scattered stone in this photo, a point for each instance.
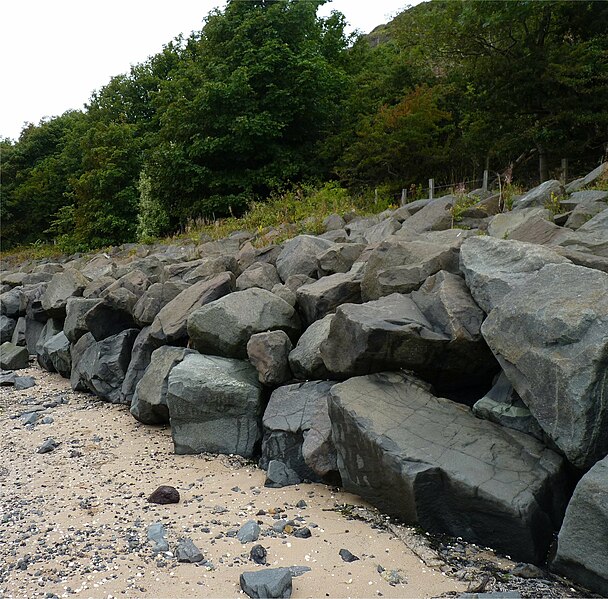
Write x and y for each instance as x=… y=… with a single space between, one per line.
x=528 y=571
x=249 y=532
x=347 y=556
x=186 y=551
x=258 y=555
x=275 y=583
x=24 y=382
x=13 y=357
x=302 y=533
x=164 y=494
x=49 y=445
x=279 y=475
x=157 y=534
x=7 y=378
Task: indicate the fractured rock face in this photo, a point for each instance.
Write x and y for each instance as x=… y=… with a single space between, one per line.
x=215 y=406
x=63 y=285
x=551 y=338
x=300 y=256
x=305 y=360
x=431 y=462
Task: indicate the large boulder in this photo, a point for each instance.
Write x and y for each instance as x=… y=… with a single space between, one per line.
x=75 y=325
x=591 y=237
x=105 y=319
x=7 y=328
x=170 y=324
x=141 y=355
x=582 y=551
x=215 y=405
x=584 y=212
x=300 y=256
x=494 y=267
x=149 y=404
x=540 y=195
x=223 y=327
x=305 y=359
x=551 y=338
x=259 y=274
x=434 y=332
x=50 y=329
x=297 y=431
x=318 y=299
x=398 y=266
x=13 y=303
x=13 y=357
x=57 y=351
x=269 y=353
x=339 y=258
x=77 y=350
x=63 y=285
x=208 y=268
x=103 y=365
x=597 y=173
x=436 y=215
x=154 y=299
x=431 y=462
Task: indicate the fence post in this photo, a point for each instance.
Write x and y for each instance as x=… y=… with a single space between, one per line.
x=403 y=197
x=564 y=176
x=485 y=180
x=375 y=196
x=431 y=189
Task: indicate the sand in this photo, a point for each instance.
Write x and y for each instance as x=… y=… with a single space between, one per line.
x=73 y=521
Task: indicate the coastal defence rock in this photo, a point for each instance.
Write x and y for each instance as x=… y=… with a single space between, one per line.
x=431 y=462
x=551 y=339
x=215 y=405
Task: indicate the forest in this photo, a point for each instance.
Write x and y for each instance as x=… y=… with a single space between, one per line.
x=269 y=96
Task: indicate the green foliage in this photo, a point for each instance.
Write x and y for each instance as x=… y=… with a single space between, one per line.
x=152 y=220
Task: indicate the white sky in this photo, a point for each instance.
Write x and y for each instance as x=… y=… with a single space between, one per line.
x=56 y=52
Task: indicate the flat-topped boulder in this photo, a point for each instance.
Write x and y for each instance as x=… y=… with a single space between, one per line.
x=431 y=462
x=224 y=327
x=63 y=285
x=300 y=255
x=551 y=338
x=215 y=406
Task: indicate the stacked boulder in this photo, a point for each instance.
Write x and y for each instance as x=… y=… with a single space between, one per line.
x=455 y=377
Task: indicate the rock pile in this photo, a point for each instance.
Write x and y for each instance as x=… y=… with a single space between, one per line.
x=456 y=378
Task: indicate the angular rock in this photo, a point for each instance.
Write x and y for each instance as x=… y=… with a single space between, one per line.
x=318 y=299
x=50 y=329
x=124 y=293
x=280 y=475
x=63 y=285
x=591 y=237
x=76 y=352
x=57 y=351
x=300 y=256
x=208 y=268
x=224 y=327
x=273 y=583
x=75 y=325
x=506 y=224
x=7 y=328
x=305 y=360
x=297 y=431
x=269 y=353
x=333 y=222
x=13 y=357
x=156 y=297
x=99 y=266
x=96 y=287
x=381 y=231
x=149 y=403
x=258 y=555
x=582 y=553
x=551 y=338
x=19 y=332
x=588 y=179
x=158 y=535
x=436 y=215
x=164 y=495
x=248 y=255
x=187 y=552
x=584 y=213
x=170 y=324
x=430 y=462
x=285 y=293
x=492 y=267
x=540 y=195
x=259 y=274
x=49 y=445
x=24 y=382
x=12 y=303
x=339 y=258
x=398 y=266
x=249 y=532
x=103 y=365
x=215 y=406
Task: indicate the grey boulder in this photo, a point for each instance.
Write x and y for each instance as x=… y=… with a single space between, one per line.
x=431 y=462
x=588 y=179
x=57 y=351
x=50 y=329
x=215 y=406
x=63 y=285
x=7 y=328
x=305 y=359
x=75 y=325
x=300 y=256
x=551 y=338
x=259 y=274
x=141 y=354
x=13 y=357
x=269 y=353
x=224 y=327
x=582 y=552
x=273 y=583
x=154 y=299
x=539 y=195
x=186 y=551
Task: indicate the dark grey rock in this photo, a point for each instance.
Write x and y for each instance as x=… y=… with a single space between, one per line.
x=300 y=256
x=430 y=462
x=63 y=285
x=305 y=360
x=224 y=326
x=279 y=475
x=30 y=418
x=551 y=338
x=149 y=404
x=347 y=556
x=49 y=445
x=57 y=351
x=339 y=258
x=19 y=332
x=154 y=299
x=399 y=266
x=52 y=327
x=75 y=325
x=105 y=320
x=124 y=293
x=272 y=583
x=297 y=430
x=13 y=357
x=164 y=494
x=540 y=195
x=77 y=350
x=269 y=353
x=7 y=378
x=103 y=365
x=582 y=552
x=528 y=571
x=302 y=533
x=492 y=267
x=13 y=303
x=7 y=328
x=322 y=297
x=141 y=355
x=258 y=555
x=259 y=274
x=186 y=551
x=215 y=406
x=249 y=532
x=210 y=267
x=170 y=324
x=33 y=330
x=588 y=179
x=436 y=215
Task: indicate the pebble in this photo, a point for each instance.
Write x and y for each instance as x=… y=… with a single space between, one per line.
x=49 y=445
x=347 y=556
x=164 y=494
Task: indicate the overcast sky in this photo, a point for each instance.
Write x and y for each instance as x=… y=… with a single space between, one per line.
x=56 y=52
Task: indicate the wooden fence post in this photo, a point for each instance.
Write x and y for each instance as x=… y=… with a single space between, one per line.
x=564 y=176
x=485 y=180
x=431 y=189
x=403 y=197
